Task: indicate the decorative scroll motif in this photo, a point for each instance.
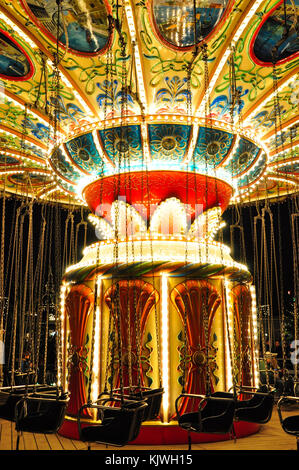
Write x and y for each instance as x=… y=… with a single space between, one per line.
x=112 y=96
x=130 y=301
x=173 y=96
x=221 y=107
x=197 y=303
x=78 y=304
x=242 y=334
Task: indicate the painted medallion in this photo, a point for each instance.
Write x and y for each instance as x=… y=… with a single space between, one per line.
x=14 y=63
x=175 y=20
x=83 y=24
x=277 y=38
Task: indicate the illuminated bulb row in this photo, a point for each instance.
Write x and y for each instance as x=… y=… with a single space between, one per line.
x=165 y=345
x=229 y=335
x=99 y=149
x=156 y=237
x=96 y=348
x=284 y=180
x=16 y=29
x=21 y=158
x=132 y=30
x=144 y=135
x=233 y=151
x=286 y=162
x=99 y=124
x=193 y=142
x=28 y=170
x=47 y=193
x=7 y=132
x=273 y=157
x=63 y=290
x=158 y=251
x=68 y=84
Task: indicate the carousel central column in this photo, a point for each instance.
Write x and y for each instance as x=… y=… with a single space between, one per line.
x=79 y=305
x=197 y=303
x=130 y=303
x=168 y=284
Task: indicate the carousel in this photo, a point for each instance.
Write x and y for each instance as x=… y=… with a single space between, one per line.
x=127 y=131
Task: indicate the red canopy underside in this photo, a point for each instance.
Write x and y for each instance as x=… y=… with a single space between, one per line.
x=146 y=190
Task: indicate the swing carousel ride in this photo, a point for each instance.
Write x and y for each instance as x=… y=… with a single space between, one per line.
x=156 y=116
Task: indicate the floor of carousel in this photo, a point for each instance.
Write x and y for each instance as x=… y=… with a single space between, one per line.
x=269 y=437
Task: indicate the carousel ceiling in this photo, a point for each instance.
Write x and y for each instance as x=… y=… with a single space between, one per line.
x=179 y=110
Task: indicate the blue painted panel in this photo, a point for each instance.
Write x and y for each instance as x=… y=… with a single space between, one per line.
x=212 y=146
x=168 y=141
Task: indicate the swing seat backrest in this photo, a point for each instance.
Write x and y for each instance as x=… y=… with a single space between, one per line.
x=9 y=397
x=290 y=424
x=119 y=425
x=257 y=409
x=215 y=416
x=8 y=404
x=40 y=414
x=153 y=399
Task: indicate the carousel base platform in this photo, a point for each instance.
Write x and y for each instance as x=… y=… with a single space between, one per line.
x=157 y=433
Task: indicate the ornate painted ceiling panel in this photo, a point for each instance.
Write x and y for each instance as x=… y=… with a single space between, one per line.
x=88 y=89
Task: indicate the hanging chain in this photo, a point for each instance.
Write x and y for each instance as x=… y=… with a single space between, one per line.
x=205 y=299
x=2 y=264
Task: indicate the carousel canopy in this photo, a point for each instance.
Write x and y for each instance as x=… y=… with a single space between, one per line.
x=93 y=89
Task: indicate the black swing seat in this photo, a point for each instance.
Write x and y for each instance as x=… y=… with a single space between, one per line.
x=11 y=395
x=120 y=421
x=257 y=409
x=151 y=396
x=41 y=412
x=290 y=424
x=215 y=415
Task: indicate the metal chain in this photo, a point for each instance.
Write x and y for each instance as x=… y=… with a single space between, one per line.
x=2 y=264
